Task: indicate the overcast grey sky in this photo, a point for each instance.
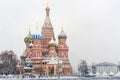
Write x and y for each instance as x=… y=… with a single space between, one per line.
x=92 y=26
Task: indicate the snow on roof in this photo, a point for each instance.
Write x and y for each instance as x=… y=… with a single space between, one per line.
x=97 y=74
x=104 y=74
x=52 y=41
x=9 y=75
x=27 y=68
x=53 y=61
x=118 y=74
x=45 y=60
x=105 y=64
x=91 y=74
x=111 y=73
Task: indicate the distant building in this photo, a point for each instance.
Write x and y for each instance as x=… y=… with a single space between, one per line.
x=105 y=67
x=44 y=52
x=119 y=66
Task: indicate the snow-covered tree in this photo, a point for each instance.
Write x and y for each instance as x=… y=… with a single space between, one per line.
x=8 y=62
x=83 y=68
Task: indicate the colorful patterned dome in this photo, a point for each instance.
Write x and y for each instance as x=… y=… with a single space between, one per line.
x=28 y=38
x=52 y=43
x=37 y=36
x=62 y=35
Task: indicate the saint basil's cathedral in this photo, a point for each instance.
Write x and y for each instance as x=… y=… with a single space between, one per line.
x=43 y=55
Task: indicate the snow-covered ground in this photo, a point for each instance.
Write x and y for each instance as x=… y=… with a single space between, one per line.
x=17 y=77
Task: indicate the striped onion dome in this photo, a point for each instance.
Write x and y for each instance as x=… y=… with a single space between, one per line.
x=52 y=43
x=28 y=38
x=62 y=35
x=37 y=36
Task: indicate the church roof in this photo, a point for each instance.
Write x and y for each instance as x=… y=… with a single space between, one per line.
x=62 y=35
x=52 y=43
x=105 y=64
x=118 y=74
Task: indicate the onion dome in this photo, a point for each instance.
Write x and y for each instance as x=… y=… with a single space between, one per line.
x=62 y=35
x=28 y=38
x=47 y=22
x=37 y=36
x=47 y=8
x=52 y=43
x=30 y=45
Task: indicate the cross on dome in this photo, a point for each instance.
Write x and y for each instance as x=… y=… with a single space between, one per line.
x=47 y=22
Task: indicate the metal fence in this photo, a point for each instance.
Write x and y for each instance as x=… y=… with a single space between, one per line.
x=98 y=78
x=20 y=77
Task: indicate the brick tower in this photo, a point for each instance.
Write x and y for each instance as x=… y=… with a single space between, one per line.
x=63 y=53
x=47 y=32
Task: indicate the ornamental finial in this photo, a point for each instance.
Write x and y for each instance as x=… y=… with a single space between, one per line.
x=36 y=26
x=47 y=9
x=62 y=27
x=29 y=30
x=47 y=6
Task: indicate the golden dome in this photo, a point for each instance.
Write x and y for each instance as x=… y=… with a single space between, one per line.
x=47 y=8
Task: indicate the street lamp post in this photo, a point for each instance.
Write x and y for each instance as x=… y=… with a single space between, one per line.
x=58 y=70
x=20 y=71
x=59 y=62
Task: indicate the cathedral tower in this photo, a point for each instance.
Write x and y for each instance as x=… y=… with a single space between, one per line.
x=44 y=53
x=47 y=31
x=62 y=47
x=63 y=53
